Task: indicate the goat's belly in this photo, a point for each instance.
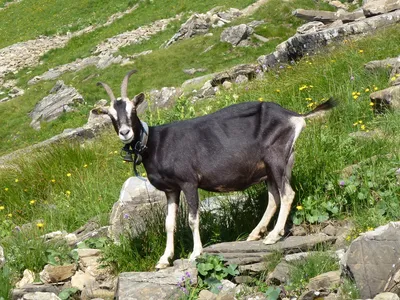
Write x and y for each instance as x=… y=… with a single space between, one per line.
x=232 y=183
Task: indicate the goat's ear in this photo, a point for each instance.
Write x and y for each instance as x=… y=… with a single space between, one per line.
x=100 y=111
x=138 y=99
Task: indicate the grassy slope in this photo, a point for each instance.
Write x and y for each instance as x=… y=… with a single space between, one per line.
x=16 y=132
x=324 y=148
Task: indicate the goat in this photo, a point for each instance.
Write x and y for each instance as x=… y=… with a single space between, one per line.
x=225 y=151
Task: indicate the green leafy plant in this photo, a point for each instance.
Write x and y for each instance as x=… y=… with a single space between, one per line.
x=212 y=270
x=94 y=243
x=56 y=258
x=68 y=293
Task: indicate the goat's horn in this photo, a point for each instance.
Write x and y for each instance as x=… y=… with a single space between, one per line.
x=124 y=85
x=108 y=90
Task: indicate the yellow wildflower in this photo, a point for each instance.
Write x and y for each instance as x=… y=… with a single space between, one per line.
x=362 y=127
x=115 y=152
x=68 y=193
x=360 y=122
x=348 y=238
x=360 y=51
x=2 y=207
x=375 y=88
x=53 y=180
x=16 y=180
x=277 y=90
x=85 y=165
x=355 y=124
x=39 y=225
x=358 y=93
x=32 y=202
x=143 y=174
x=353 y=93
x=69 y=174
x=260 y=99
x=6 y=189
x=397 y=75
x=370 y=228
x=311 y=104
x=9 y=215
x=367 y=90
x=355 y=97
x=308 y=99
x=371 y=103
x=299 y=207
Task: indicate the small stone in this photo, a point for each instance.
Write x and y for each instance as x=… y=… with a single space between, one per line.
x=227 y=85
x=28 y=277
x=207 y=295
x=83 y=280
x=386 y=296
x=329 y=230
x=40 y=296
x=280 y=273
x=298 y=231
x=227 y=285
x=241 y=79
x=324 y=281
x=243 y=279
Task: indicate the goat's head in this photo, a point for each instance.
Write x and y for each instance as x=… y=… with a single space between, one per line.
x=122 y=111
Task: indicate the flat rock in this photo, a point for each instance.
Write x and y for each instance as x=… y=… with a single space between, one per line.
x=372 y=258
x=309 y=27
x=52 y=274
x=252 y=269
x=291 y=244
x=153 y=285
x=248 y=70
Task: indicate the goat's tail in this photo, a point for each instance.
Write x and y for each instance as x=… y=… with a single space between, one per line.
x=320 y=109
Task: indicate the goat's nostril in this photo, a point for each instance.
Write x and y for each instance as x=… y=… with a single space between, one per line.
x=124 y=132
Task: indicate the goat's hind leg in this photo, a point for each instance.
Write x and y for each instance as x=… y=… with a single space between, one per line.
x=286 y=194
x=170 y=221
x=273 y=203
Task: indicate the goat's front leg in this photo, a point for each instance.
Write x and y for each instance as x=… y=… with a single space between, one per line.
x=192 y=198
x=170 y=221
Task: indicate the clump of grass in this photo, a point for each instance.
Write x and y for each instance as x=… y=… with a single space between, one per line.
x=313 y=265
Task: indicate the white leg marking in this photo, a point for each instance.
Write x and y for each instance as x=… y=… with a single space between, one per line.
x=170 y=228
x=286 y=202
x=255 y=235
x=194 y=226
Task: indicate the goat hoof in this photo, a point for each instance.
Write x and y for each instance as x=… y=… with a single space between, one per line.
x=161 y=266
x=269 y=240
x=253 y=238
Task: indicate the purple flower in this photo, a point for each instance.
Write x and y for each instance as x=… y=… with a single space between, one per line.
x=281 y=67
x=342 y=183
x=126 y=216
x=187 y=274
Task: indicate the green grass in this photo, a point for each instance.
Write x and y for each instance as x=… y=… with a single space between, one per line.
x=97 y=173
x=186 y=54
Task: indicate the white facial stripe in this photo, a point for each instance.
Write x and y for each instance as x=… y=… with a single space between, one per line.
x=113 y=112
x=129 y=108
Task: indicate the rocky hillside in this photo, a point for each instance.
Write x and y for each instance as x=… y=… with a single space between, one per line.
x=61 y=226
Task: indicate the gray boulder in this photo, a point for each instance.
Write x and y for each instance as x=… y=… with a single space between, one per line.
x=372 y=257
x=377 y=7
x=62 y=98
x=234 y=35
x=136 y=201
x=164 y=97
x=302 y=44
x=387 y=98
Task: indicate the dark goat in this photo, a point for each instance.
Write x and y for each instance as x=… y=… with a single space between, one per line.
x=229 y=150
